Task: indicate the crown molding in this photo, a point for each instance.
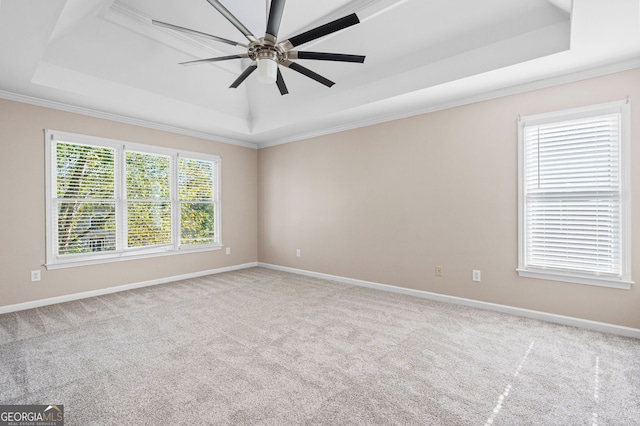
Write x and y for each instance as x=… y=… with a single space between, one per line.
x=507 y=91
x=121 y=119
x=499 y=93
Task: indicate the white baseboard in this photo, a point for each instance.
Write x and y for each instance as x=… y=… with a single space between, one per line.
x=109 y=290
x=527 y=313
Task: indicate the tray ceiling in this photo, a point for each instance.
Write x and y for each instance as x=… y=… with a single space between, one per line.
x=105 y=56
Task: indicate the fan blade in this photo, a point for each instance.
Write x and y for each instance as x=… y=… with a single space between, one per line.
x=275 y=17
x=198 y=33
x=208 y=60
x=306 y=71
x=324 y=30
x=321 y=56
x=280 y=82
x=236 y=23
x=246 y=73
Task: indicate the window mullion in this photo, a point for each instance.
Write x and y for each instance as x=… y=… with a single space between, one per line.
x=121 y=201
x=108 y=200
x=175 y=202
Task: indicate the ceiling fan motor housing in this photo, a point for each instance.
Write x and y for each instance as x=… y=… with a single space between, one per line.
x=266 y=53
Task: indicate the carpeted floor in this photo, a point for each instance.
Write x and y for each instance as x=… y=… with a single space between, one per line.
x=258 y=346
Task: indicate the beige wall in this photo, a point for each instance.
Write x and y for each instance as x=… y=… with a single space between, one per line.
x=387 y=203
x=384 y=203
x=22 y=210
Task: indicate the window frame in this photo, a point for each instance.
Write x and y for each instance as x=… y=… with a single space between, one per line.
x=122 y=252
x=622 y=281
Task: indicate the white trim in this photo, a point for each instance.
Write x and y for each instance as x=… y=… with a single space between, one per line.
x=621 y=107
x=526 y=313
x=16 y=97
x=576 y=279
x=613 y=107
x=119 y=257
x=465 y=100
x=109 y=290
x=625 y=175
x=122 y=252
x=50 y=182
x=508 y=91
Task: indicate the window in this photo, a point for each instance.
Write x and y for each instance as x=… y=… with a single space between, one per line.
x=110 y=200
x=574 y=196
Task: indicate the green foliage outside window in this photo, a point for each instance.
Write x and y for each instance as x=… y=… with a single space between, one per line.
x=148 y=178
x=87 y=197
x=85 y=183
x=197 y=210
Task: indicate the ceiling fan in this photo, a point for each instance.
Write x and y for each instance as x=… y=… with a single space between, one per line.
x=267 y=52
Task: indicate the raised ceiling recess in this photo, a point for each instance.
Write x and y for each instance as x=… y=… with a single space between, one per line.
x=107 y=58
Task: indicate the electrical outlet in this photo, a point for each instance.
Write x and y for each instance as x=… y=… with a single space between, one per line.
x=476 y=275
x=298 y=253
x=228 y=250
x=438 y=271
x=35 y=276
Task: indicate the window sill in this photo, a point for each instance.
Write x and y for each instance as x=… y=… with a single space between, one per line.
x=571 y=278
x=122 y=257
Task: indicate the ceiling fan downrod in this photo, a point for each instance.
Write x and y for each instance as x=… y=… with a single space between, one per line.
x=267 y=53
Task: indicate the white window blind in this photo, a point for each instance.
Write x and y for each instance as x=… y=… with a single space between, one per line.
x=197 y=202
x=84 y=203
x=148 y=178
x=573 y=213
x=109 y=200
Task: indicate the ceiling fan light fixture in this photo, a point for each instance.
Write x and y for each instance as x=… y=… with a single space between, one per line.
x=267 y=54
x=267 y=70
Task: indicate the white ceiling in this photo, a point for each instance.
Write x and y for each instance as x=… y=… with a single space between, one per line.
x=104 y=57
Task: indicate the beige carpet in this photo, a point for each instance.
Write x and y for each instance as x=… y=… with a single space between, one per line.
x=258 y=346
